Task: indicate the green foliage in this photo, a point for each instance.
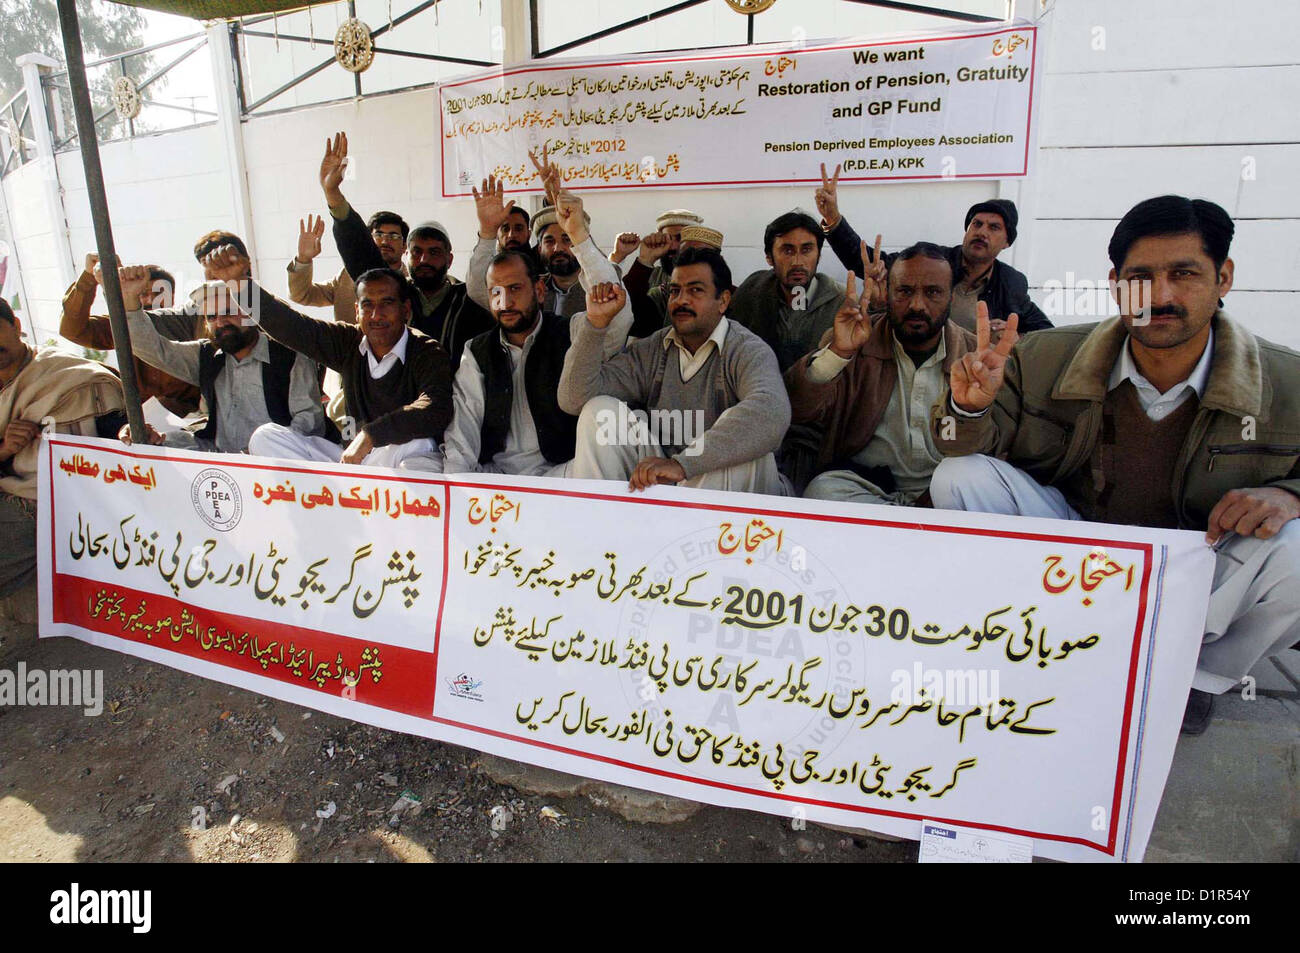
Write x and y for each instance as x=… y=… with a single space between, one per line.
x=32 y=26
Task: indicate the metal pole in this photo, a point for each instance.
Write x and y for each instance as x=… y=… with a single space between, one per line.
x=99 y=212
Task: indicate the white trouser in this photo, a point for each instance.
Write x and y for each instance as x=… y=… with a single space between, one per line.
x=600 y=459
x=845 y=486
x=1254 y=609
x=274 y=440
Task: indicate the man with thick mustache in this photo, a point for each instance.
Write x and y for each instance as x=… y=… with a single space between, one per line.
x=704 y=369
x=874 y=379
x=1170 y=415
x=976 y=272
x=508 y=418
x=246 y=379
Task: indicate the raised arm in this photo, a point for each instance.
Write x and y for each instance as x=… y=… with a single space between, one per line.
x=325 y=342
x=180 y=359
x=593 y=365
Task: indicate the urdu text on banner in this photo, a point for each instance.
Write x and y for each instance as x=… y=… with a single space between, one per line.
x=950 y=105
x=855 y=665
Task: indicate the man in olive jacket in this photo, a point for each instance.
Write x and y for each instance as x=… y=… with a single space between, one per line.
x=1171 y=415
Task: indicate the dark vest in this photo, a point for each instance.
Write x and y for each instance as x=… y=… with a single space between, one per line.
x=275 y=383
x=1137 y=457
x=556 y=430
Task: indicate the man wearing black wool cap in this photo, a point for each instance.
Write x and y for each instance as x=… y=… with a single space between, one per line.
x=977 y=275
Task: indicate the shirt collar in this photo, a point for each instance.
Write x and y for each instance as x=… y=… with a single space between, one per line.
x=399 y=348
x=1126 y=369
x=717 y=337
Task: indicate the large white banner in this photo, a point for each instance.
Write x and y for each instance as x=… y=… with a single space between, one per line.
x=950 y=105
x=859 y=665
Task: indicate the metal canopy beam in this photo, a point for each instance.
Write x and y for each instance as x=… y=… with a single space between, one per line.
x=608 y=31
x=99 y=213
x=932 y=11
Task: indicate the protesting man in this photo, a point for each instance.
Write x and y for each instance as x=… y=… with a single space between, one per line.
x=389 y=231
x=976 y=272
x=502 y=226
x=441 y=309
x=650 y=298
x=876 y=377
x=1170 y=415
x=245 y=378
x=717 y=406
x=41 y=386
x=396 y=381
x=791 y=304
x=79 y=327
x=508 y=418
x=668 y=226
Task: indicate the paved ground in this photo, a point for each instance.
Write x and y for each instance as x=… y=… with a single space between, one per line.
x=180 y=768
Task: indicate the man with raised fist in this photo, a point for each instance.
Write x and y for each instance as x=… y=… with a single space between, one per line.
x=245 y=378
x=717 y=408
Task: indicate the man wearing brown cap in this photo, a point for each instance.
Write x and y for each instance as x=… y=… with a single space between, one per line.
x=977 y=275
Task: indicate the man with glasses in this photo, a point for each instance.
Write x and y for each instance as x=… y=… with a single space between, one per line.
x=389 y=231
x=441 y=308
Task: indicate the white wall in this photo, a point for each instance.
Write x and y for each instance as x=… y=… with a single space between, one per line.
x=1181 y=95
x=164 y=191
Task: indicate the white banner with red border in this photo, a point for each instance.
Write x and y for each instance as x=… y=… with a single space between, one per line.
x=924 y=106
x=857 y=665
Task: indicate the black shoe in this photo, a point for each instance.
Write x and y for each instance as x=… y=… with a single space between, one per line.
x=1196 y=717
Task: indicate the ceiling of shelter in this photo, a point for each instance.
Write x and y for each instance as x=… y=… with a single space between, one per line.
x=223 y=9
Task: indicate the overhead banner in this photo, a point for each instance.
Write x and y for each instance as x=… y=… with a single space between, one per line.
x=953 y=105
x=857 y=665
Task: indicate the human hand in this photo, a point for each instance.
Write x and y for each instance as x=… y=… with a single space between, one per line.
x=1255 y=511
x=624 y=244
x=655 y=470
x=977 y=377
x=18 y=434
x=358 y=449
x=827 y=198
x=309 y=237
x=604 y=301
x=490 y=206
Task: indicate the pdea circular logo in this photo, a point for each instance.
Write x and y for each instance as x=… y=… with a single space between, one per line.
x=216 y=498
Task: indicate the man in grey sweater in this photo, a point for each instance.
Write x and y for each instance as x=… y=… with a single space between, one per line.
x=717 y=407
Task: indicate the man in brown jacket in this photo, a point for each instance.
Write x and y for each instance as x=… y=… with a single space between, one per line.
x=1171 y=415
x=79 y=327
x=872 y=383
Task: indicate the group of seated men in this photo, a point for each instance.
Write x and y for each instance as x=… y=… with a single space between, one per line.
x=929 y=379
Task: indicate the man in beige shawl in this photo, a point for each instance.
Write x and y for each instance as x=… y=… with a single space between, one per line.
x=41 y=387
